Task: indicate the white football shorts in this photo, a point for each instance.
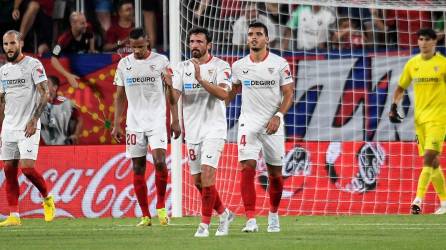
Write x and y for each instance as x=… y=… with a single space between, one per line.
x=137 y=142
x=207 y=152
x=250 y=143
x=14 y=145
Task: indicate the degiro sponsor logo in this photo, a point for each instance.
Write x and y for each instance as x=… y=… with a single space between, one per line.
x=267 y=83
x=142 y=79
x=190 y=86
x=13 y=83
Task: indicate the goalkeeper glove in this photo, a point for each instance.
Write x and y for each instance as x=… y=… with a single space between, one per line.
x=394 y=115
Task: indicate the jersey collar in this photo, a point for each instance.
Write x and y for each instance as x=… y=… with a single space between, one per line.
x=209 y=59
x=20 y=59
x=145 y=58
x=266 y=56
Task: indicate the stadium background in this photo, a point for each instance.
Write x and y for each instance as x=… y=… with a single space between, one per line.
x=92 y=179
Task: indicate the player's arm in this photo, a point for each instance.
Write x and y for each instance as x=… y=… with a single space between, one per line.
x=173 y=95
x=16 y=10
x=57 y=50
x=120 y=98
x=220 y=91
x=404 y=82
x=394 y=116
x=42 y=89
x=236 y=87
x=71 y=78
x=287 y=100
x=77 y=120
x=2 y=108
x=398 y=94
x=92 y=48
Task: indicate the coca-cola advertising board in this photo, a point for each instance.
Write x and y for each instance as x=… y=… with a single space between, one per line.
x=320 y=178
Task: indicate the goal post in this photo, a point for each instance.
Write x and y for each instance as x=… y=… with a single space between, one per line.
x=176 y=144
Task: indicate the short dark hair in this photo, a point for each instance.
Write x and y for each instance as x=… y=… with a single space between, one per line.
x=137 y=33
x=199 y=30
x=122 y=2
x=427 y=32
x=259 y=25
x=54 y=80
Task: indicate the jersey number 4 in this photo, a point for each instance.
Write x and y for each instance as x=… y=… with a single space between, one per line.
x=243 y=140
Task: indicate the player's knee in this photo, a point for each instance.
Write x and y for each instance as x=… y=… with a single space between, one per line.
x=159 y=165
x=247 y=164
x=198 y=186
x=430 y=159
x=26 y=163
x=138 y=169
x=274 y=171
x=197 y=180
x=436 y=162
x=207 y=176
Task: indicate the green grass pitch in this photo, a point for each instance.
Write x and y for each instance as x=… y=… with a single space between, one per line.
x=303 y=232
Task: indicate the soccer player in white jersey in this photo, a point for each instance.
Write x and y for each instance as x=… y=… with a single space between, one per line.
x=267 y=94
x=23 y=96
x=204 y=82
x=138 y=79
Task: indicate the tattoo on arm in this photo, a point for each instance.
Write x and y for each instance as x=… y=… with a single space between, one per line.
x=42 y=88
x=2 y=100
x=2 y=105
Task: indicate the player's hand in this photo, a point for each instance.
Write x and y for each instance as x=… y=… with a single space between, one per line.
x=16 y=14
x=74 y=138
x=394 y=115
x=273 y=125
x=197 y=69
x=122 y=43
x=117 y=133
x=72 y=80
x=175 y=129
x=31 y=127
x=167 y=77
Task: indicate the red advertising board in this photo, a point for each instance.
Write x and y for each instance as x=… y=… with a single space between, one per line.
x=321 y=178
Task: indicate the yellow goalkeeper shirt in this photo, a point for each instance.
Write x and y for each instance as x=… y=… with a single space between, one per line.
x=429 y=79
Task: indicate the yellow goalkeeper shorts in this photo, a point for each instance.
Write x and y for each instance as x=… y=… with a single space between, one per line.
x=430 y=135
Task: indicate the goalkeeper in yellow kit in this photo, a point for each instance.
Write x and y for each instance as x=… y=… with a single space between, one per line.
x=427 y=71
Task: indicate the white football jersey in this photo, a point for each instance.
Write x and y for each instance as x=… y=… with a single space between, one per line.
x=144 y=89
x=18 y=82
x=204 y=115
x=261 y=94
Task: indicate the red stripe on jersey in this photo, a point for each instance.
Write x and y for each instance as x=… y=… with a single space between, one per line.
x=209 y=59
x=150 y=52
x=263 y=59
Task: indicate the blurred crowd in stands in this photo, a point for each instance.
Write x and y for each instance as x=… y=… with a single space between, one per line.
x=53 y=26
x=46 y=24
x=303 y=27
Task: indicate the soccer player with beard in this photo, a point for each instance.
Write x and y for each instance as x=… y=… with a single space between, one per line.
x=23 y=96
x=138 y=79
x=267 y=94
x=204 y=82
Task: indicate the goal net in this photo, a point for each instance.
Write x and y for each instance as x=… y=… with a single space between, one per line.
x=343 y=156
